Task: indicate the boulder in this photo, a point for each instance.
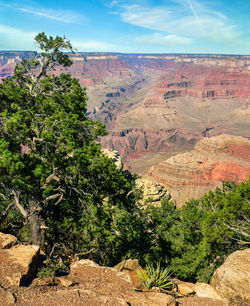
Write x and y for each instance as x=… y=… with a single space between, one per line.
x=128 y=264
x=207 y=291
x=88 y=273
x=7 y=241
x=199 y=301
x=130 y=267
x=80 y=296
x=18 y=264
x=202 y=290
x=232 y=278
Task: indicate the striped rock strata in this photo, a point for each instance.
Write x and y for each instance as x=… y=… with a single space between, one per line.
x=213 y=160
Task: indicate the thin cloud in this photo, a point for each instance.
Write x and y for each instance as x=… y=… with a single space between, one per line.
x=60 y=15
x=196 y=16
x=94 y=46
x=113 y=3
x=10 y=38
x=188 y=19
x=163 y=40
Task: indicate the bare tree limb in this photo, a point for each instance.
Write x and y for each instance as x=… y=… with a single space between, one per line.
x=52 y=197
x=21 y=209
x=4 y=214
x=238 y=231
x=242 y=242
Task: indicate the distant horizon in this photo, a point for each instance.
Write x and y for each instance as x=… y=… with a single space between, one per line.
x=133 y=53
x=130 y=26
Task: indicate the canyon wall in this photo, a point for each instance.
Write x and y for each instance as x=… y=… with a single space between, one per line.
x=213 y=160
x=159 y=103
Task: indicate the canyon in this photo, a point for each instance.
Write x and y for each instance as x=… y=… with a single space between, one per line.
x=212 y=161
x=156 y=106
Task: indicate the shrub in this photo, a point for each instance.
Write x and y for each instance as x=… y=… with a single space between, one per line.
x=155 y=277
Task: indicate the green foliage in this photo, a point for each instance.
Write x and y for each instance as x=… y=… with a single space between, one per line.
x=198 y=237
x=46 y=272
x=71 y=195
x=155 y=277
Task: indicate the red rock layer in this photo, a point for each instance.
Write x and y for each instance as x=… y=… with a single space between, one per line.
x=213 y=160
x=132 y=142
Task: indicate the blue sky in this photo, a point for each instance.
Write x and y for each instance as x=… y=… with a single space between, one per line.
x=148 y=26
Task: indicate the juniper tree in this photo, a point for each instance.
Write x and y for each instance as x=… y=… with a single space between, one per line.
x=50 y=165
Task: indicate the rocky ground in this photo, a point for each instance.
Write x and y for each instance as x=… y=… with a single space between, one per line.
x=91 y=284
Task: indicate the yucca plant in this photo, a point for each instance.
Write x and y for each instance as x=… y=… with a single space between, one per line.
x=155 y=277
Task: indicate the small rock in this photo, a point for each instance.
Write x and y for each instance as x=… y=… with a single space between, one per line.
x=7 y=241
x=185 y=288
x=206 y=290
x=158 y=299
x=131 y=267
x=64 y=281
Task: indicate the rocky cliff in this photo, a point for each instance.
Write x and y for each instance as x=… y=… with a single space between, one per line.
x=213 y=160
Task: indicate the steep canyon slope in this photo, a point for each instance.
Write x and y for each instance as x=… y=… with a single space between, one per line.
x=213 y=160
x=156 y=106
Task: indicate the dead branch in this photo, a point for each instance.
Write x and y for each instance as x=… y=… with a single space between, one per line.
x=4 y=214
x=50 y=179
x=241 y=242
x=60 y=199
x=20 y=208
x=238 y=231
x=76 y=256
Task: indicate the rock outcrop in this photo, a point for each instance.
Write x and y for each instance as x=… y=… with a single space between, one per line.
x=152 y=191
x=115 y=156
x=232 y=278
x=213 y=160
x=17 y=264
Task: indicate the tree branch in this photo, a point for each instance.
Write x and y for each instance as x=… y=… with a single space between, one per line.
x=21 y=209
x=238 y=231
x=4 y=214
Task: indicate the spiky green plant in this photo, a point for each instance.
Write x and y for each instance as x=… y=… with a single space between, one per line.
x=155 y=277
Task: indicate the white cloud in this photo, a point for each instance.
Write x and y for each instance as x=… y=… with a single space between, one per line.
x=186 y=19
x=163 y=40
x=172 y=20
x=17 y=39
x=113 y=3
x=58 y=15
x=94 y=46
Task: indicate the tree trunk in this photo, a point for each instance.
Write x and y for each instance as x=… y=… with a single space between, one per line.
x=35 y=221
